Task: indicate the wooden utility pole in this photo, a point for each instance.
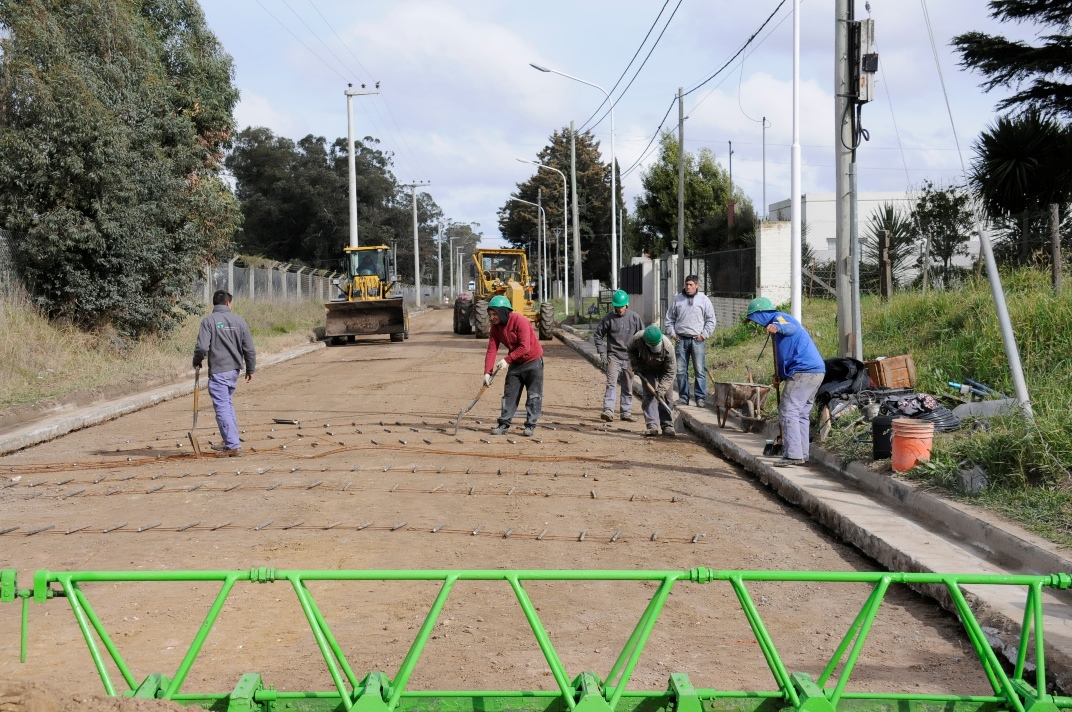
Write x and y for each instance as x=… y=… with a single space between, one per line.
x=885 y=269
x=1055 y=245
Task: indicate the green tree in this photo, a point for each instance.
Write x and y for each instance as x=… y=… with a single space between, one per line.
x=1036 y=70
x=113 y=120
x=707 y=193
x=1021 y=166
x=517 y=221
x=295 y=201
x=944 y=214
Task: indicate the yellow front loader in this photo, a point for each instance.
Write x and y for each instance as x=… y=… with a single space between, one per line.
x=501 y=272
x=365 y=305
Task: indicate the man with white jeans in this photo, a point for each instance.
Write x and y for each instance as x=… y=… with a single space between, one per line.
x=799 y=365
x=690 y=321
x=225 y=339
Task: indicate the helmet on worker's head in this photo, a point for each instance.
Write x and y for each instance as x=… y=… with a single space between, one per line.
x=500 y=301
x=620 y=298
x=653 y=335
x=759 y=304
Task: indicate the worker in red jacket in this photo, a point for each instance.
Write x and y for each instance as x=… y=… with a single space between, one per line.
x=525 y=359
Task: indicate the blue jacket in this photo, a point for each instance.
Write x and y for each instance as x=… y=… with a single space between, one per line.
x=794 y=350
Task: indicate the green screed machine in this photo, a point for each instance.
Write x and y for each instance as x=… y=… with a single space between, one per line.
x=587 y=691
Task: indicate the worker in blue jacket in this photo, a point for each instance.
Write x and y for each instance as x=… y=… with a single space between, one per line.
x=800 y=366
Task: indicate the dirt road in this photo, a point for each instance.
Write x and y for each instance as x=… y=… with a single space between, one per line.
x=375 y=447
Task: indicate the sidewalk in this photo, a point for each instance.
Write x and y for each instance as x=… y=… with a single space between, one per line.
x=906 y=529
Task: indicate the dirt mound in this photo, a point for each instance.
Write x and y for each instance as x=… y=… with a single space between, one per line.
x=35 y=697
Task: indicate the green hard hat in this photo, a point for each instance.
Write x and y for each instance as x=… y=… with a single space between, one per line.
x=620 y=298
x=653 y=335
x=500 y=301
x=759 y=304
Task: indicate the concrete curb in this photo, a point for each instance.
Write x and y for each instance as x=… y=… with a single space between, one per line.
x=57 y=426
x=906 y=529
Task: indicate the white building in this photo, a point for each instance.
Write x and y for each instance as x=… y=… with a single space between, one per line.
x=818 y=218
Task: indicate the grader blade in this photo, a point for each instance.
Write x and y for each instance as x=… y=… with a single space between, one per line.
x=363 y=318
x=1021 y=690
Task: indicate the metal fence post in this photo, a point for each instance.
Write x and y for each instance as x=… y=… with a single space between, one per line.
x=230 y=275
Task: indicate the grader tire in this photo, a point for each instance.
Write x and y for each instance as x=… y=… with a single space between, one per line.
x=400 y=336
x=462 y=307
x=547 y=321
x=478 y=319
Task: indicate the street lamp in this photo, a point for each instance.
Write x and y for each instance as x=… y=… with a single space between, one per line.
x=541 y=218
x=613 y=181
x=450 y=241
x=565 y=277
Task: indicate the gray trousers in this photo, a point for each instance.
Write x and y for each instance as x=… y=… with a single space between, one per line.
x=656 y=414
x=798 y=396
x=530 y=377
x=619 y=375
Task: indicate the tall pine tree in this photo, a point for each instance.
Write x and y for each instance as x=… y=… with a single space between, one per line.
x=1035 y=71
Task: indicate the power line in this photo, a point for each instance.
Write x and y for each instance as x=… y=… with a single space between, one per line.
x=626 y=70
x=284 y=26
x=646 y=57
x=318 y=39
x=344 y=45
x=718 y=71
x=738 y=52
x=941 y=78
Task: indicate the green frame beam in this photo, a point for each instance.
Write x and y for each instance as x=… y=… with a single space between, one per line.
x=586 y=691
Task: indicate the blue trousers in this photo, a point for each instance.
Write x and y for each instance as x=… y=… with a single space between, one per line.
x=221 y=388
x=689 y=349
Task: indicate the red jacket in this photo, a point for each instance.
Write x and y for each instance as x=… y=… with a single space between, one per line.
x=519 y=338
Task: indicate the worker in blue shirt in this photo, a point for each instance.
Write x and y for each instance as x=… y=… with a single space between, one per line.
x=800 y=366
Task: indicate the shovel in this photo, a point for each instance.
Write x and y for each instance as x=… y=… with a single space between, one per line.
x=463 y=411
x=197 y=391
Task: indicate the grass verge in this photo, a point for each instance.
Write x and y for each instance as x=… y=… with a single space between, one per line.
x=951 y=336
x=43 y=359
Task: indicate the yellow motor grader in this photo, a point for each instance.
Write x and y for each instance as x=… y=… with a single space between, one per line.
x=365 y=305
x=501 y=272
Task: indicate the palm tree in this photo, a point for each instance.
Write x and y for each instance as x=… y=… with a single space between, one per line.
x=1020 y=167
x=901 y=246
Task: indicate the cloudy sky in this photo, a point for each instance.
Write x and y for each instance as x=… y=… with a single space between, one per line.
x=460 y=102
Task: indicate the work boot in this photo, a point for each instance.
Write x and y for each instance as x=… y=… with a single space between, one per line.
x=500 y=430
x=789 y=462
x=651 y=432
x=529 y=431
x=218 y=448
x=607 y=416
x=669 y=432
x=628 y=417
x=237 y=452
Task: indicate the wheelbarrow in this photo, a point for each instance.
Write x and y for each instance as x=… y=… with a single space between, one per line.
x=747 y=397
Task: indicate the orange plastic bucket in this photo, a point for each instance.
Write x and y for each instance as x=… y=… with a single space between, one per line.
x=912 y=441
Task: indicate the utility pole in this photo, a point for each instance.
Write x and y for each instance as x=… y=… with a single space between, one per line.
x=843 y=158
x=439 y=260
x=731 y=203
x=795 y=251
x=763 y=213
x=578 y=281
x=350 y=160
x=558 y=254
x=680 y=186
x=416 y=242
x=541 y=240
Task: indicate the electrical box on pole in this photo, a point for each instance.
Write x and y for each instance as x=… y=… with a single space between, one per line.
x=864 y=60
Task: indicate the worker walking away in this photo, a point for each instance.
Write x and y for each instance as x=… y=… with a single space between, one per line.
x=797 y=364
x=225 y=339
x=690 y=321
x=651 y=355
x=525 y=362
x=612 y=343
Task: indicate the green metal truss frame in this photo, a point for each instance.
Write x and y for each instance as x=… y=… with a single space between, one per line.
x=586 y=692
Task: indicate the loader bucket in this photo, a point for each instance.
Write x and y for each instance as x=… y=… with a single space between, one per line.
x=359 y=318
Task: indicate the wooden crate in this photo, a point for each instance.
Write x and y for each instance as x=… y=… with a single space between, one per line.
x=893 y=372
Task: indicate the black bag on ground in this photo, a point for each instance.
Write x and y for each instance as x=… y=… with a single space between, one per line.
x=843 y=376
